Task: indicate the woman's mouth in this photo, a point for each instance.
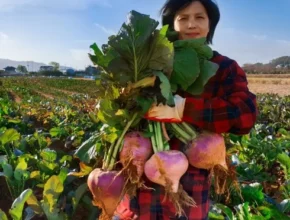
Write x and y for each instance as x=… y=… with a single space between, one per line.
x=192 y=35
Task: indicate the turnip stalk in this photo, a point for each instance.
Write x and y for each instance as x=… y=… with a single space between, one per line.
x=206 y=150
x=165 y=167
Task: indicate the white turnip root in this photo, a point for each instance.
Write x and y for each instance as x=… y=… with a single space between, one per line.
x=135 y=152
x=166 y=167
x=107 y=190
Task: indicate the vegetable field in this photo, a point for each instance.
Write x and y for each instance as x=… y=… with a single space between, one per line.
x=48 y=133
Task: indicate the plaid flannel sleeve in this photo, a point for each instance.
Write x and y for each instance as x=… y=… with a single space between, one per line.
x=234 y=111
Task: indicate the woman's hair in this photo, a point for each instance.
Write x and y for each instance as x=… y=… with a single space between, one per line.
x=171 y=7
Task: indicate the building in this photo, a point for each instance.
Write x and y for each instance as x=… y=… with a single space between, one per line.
x=46 y=68
x=10 y=69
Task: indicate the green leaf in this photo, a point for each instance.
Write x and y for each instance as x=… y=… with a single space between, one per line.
x=133 y=42
x=48 y=155
x=88 y=150
x=56 y=132
x=8 y=170
x=14 y=121
x=165 y=88
x=162 y=55
x=144 y=103
x=52 y=190
x=215 y=216
x=101 y=59
x=285 y=160
x=81 y=190
x=253 y=193
x=18 y=204
x=3 y=159
x=199 y=45
x=3 y=216
x=208 y=69
x=226 y=210
x=243 y=212
x=20 y=170
x=63 y=174
x=186 y=67
x=9 y=136
x=84 y=171
x=33 y=203
x=285 y=206
x=107 y=112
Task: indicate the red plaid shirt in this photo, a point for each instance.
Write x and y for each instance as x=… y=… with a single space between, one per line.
x=226 y=105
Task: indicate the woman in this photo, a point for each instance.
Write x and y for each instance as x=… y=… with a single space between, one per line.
x=226 y=106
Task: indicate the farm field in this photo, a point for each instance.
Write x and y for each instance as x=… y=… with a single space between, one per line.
x=269 y=83
x=48 y=129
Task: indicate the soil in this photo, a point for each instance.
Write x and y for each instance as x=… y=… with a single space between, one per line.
x=282 y=90
x=48 y=96
x=13 y=96
x=5 y=198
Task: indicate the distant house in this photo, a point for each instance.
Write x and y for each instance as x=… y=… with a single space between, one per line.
x=10 y=69
x=45 y=68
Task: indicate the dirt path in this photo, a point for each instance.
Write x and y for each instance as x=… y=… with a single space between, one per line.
x=45 y=95
x=14 y=97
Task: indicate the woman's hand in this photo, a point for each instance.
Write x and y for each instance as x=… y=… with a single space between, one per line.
x=165 y=113
x=123 y=211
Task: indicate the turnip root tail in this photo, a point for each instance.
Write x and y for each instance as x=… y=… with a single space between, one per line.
x=135 y=151
x=179 y=199
x=166 y=168
x=225 y=178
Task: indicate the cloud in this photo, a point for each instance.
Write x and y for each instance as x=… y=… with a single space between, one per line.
x=10 y=5
x=4 y=40
x=260 y=37
x=106 y=30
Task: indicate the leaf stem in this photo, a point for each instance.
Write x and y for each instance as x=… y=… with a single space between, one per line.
x=118 y=144
x=179 y=132
x=153 y=140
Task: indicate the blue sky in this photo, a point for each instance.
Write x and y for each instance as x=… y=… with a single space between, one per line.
x=62 y=30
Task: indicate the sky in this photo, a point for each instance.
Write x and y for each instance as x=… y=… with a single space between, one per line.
x=249 y=31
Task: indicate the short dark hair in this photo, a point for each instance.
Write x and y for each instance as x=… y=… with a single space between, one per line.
x=171 y=7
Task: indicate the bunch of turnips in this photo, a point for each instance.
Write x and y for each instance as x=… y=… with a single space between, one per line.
x=144 y=66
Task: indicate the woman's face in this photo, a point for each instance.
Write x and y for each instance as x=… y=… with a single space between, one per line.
x=192 y=22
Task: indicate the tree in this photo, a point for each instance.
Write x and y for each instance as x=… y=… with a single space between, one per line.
x=22 y=69
x=55 y=65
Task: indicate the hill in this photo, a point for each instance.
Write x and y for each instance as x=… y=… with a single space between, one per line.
x=30 y=65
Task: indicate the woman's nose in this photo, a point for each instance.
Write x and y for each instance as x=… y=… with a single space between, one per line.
x=191 y=23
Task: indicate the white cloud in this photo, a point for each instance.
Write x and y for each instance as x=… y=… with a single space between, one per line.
x=105 y=30
x=10 y=5
x=260 y=37
x=4 y=40
x=246 y=47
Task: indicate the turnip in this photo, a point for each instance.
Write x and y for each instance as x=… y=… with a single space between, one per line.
x=165 y=167
x=107 y=189
x=135 y=152
x=106 y=185
x=206 y=150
